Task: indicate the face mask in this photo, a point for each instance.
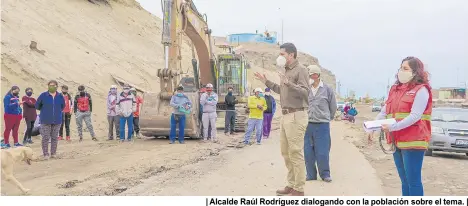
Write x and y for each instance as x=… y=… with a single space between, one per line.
x=209 y=90
x=28 y=94
x=281 y=61
x=267 y=93
x=405 y=76
x=64 y=92
x=52 y=89
x=260 y=95
x=15 y=93
x=180 y=94
x=82 y=93
x=230 y=93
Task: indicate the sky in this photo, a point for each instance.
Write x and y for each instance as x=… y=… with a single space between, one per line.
x=361 y=41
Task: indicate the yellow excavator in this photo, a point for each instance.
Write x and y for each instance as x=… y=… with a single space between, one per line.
x=180 y=17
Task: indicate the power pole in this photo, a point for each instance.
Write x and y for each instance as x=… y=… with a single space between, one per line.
x=282 y=31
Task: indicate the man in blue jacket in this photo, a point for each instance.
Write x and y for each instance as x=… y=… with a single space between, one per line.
x=51 y=104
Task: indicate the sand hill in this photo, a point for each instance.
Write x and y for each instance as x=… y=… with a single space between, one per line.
x=83 y=43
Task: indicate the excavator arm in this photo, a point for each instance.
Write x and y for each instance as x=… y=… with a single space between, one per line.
x=180 y=17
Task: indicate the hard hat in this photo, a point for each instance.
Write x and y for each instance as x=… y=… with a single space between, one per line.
x=314 y=69
x=113 y=87
x=258 y=90
x=209 y=85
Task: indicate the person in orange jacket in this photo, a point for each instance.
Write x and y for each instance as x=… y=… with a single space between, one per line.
x=410 y=103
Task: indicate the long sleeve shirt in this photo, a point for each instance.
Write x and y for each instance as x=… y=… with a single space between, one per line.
x=209 y=102
x=294 y=94
x=419 y=105
x=322 y=104
x=11 y=104
x=29 y=108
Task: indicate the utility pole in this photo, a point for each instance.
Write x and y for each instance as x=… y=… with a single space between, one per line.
x=282 y=27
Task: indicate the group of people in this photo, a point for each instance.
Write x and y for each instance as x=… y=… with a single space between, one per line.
x=308 y=106
x=55 y=112
x=350 y=112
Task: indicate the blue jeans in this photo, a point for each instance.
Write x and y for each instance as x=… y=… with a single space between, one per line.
x=252 y=124
x=129 y=121
x=181 y=120
x=409 y=165
x=317 y=144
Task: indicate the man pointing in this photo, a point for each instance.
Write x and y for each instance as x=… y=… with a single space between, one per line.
x=293 y=90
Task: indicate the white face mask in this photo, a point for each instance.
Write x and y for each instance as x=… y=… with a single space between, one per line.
x=405 y=76
x=267 y=93
x=281 y=61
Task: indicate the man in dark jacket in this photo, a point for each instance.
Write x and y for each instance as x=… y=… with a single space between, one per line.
x=51 y=104
x=230 y=119
x=83 y=109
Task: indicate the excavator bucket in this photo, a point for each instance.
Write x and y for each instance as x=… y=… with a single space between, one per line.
x=155 y=116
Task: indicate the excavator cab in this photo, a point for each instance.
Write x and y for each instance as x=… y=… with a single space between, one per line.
x=231 y=72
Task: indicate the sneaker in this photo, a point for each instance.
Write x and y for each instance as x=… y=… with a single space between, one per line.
x=18 y=144
x=110 y=138
x=45 y=157
x=182 y=142
x=138 y=136
x=53 y=156
x=30 y=141
x=171 y=142
x=95 y=139
x=68 y=138
x=81 y=139
x=5 y=146
x=60 y=138
x=258 y=143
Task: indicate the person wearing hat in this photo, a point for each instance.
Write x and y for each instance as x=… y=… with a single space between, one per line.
x=113 y=119
x=126 y=105
x=136 y=114
x=182 y=107
x=317 y=140
x=257 y=105
x=268 y=113
x=208 y=101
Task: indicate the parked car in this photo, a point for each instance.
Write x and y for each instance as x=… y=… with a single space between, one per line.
x=340 y=106
x=449 y=131
x=376 y=107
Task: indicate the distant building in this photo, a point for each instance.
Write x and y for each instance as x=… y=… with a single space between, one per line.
x=445 y=93
x=267 y=37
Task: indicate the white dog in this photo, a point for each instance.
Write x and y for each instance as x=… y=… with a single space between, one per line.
x=12 y=156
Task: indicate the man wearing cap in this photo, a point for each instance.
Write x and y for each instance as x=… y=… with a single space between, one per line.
x=317 y=140
x=293 y=90
x=182 y=106
x=208 y=101
x=257 y=105
x=268 y=113
x=112 y=117
x=126 y=105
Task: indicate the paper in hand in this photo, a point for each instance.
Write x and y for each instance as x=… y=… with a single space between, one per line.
x=376 y=125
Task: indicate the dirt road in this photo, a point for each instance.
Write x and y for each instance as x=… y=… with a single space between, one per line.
x=443 y=174
x=153 y=167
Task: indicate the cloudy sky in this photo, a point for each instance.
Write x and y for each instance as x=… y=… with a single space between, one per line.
x=361 y=41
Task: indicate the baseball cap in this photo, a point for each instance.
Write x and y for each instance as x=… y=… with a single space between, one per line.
x=314 y=69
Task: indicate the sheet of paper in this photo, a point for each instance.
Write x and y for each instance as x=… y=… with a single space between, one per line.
x=376 y=125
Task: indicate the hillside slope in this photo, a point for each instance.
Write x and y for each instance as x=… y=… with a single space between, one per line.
x=83 y=43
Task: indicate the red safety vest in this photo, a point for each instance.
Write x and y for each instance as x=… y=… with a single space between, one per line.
x=398 y=106
x=83 y=103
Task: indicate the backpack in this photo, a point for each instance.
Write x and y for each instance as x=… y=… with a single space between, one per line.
x=352 y=112
x=83 y=103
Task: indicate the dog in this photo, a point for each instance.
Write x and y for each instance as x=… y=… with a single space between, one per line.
x=12 y=156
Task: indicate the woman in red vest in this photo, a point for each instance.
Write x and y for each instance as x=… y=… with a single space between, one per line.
x=410 y=103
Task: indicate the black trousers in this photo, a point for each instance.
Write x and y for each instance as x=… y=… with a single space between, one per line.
x=136 y=125
x=230 y=121
x=29 y=128
x=65 y=121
